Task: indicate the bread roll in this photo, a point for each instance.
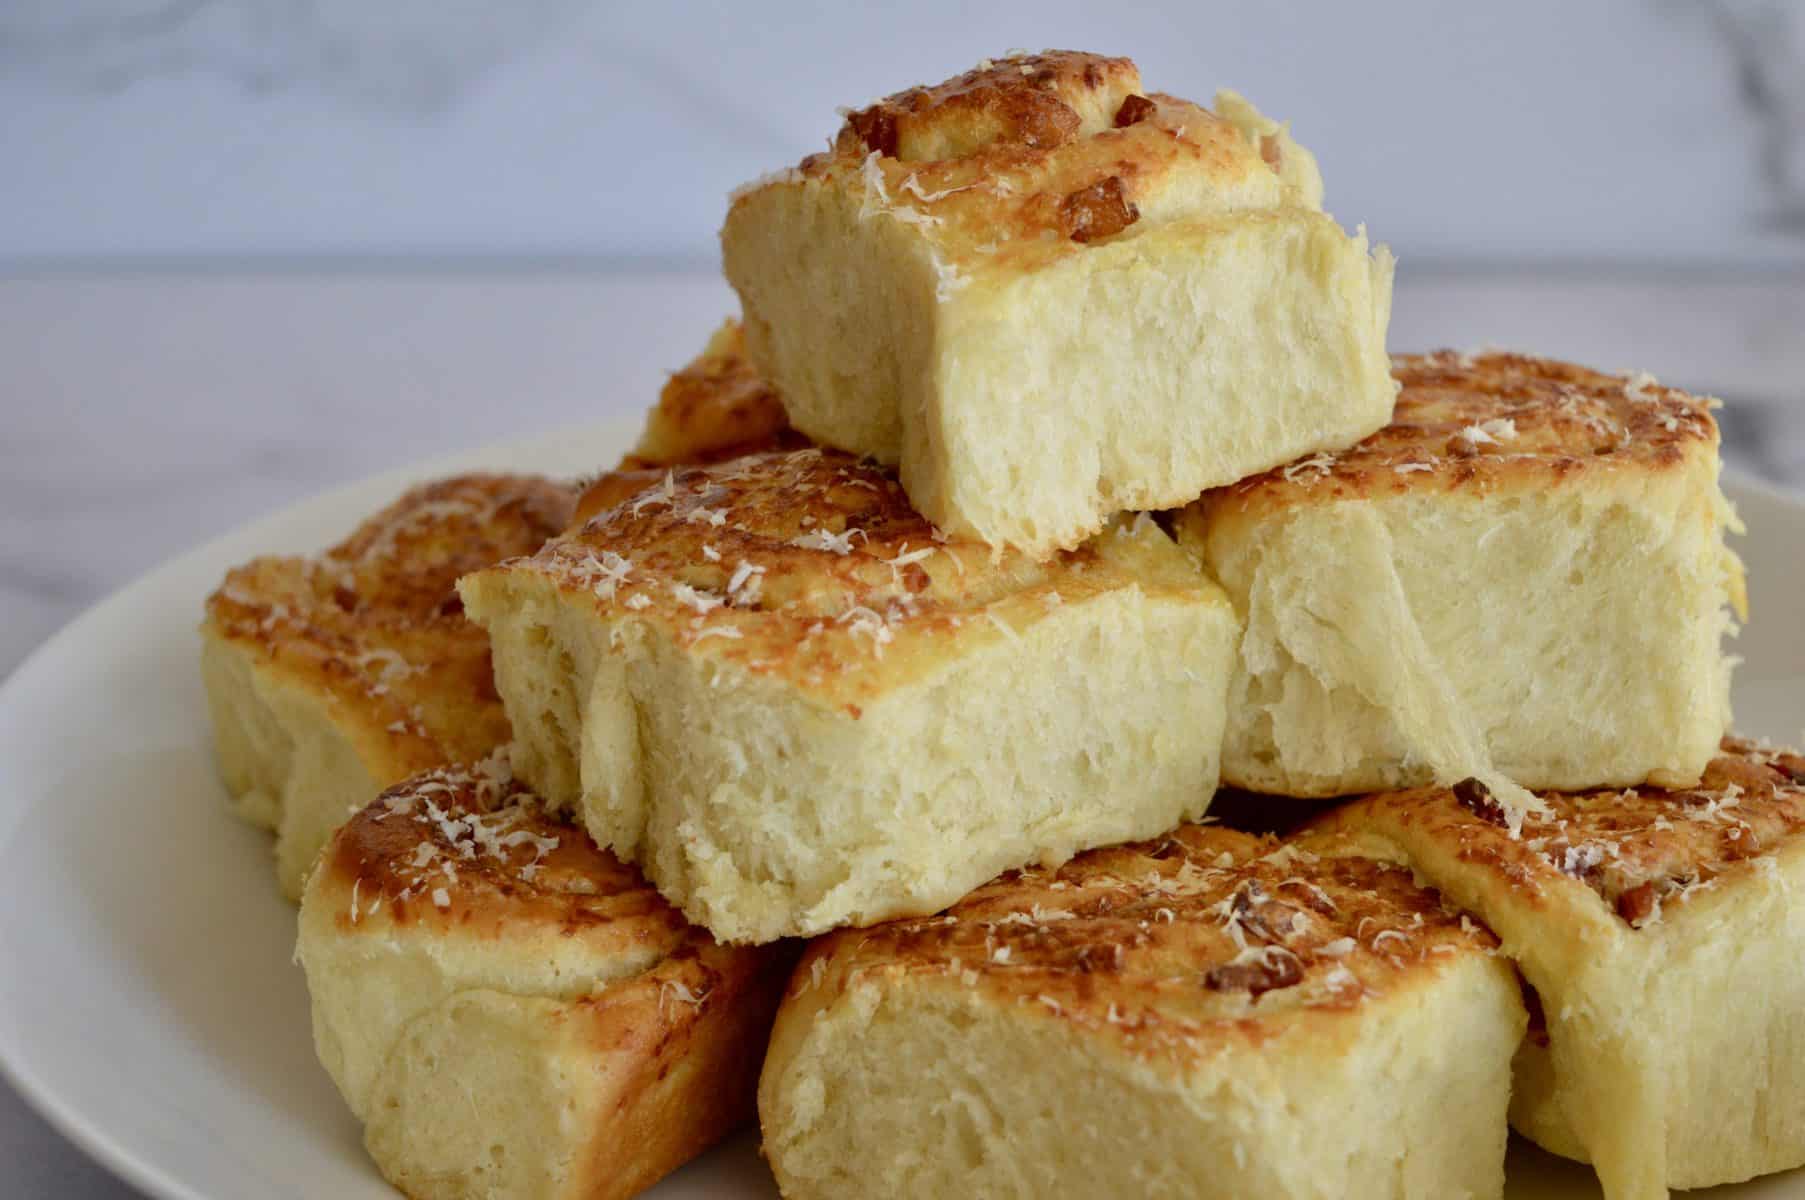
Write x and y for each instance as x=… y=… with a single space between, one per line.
x=1049 y=296
x=1211 y=1015
x=1663 y=935
x=797 y=705
x=329 y=678
x=1523 y=578
x=514 y=1014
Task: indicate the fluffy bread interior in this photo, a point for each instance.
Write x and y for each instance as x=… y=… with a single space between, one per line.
x=1567 y=639
x=762 y=813
x=929 y=1091
x=1522 y=579
x=1134 y=377
x=288 y=765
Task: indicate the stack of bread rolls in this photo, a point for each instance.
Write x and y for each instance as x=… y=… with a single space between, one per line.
x=1055 y=476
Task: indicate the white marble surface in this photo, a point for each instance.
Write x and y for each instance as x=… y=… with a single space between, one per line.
x=140 y=415
x=1637 y=130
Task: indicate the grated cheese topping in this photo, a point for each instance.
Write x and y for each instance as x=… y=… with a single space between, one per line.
x=822 y=539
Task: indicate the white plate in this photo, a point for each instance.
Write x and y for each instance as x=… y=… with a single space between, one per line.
x=148 y=1005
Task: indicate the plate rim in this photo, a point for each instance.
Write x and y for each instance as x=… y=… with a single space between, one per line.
x=42 y=1096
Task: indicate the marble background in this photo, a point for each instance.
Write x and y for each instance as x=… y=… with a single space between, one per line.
x=1631 y=130
x=250 y=249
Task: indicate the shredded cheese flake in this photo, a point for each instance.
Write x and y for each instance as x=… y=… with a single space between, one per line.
x=863 y=622
x=1316 y=466
x=703 y=515
x=1641 y=387
x=720 y=631
x=821 y=539
x=1003 y=626
x=664 y=493
x=703 y=602
x=912 y=185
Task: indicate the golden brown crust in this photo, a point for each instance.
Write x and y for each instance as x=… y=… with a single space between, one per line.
x=469 y=849
x=715 y=408
x=811 y=565
x=375 y=622
x=1031 y=100
x=1475 y=423
x=465 y=853
x=466 y=847
x=697 y=1035
x=1001 y=168
x=1134 y=110
x=1098 y=211
x=1639 y=849
x=1174 y=944
x=611 y=488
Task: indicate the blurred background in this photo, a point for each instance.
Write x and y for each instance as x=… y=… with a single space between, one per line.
x=564 y=131
x=253 y=248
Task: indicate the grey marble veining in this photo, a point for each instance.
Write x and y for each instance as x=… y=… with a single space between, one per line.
x=414 y=57
x=1631 y=130
x=1766 y=39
